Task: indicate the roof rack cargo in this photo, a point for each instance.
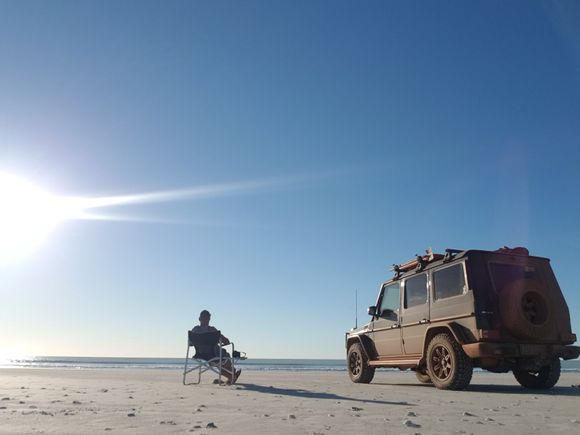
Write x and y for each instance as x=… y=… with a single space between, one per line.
x=518 y=250
x=418 y=263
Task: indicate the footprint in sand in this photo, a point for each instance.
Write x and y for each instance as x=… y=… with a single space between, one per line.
x=410 y=423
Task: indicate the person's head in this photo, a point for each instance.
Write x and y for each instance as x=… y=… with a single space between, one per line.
x=204 y=318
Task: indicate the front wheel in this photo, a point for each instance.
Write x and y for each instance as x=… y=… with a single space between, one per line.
x=358 y=365
x=448 y=366
x=545 y=378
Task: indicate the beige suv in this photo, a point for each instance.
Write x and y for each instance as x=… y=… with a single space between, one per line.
x=443 y=315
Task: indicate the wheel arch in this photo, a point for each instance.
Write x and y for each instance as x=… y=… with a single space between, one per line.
x=451 y=328
x=365 y=342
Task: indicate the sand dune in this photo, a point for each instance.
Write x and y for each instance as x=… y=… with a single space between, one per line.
x=139 y=401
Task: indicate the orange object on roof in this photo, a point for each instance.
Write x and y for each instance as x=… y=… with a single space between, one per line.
x=418 y=262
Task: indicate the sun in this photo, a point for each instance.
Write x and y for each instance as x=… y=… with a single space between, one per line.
x=11 y=354
x=27 y=216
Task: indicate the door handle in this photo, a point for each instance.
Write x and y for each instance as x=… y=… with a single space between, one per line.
x=423 y=321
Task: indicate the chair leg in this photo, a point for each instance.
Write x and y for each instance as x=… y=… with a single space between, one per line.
x=220 y=367
x=233 y=365
x=186 y=361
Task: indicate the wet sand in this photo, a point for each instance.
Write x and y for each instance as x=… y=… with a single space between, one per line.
x=140 y=401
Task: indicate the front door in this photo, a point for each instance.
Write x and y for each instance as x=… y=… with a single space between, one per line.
x=415 y=313
x=386 y=327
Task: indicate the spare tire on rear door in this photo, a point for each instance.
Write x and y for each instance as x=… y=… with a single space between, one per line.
x=526 y=310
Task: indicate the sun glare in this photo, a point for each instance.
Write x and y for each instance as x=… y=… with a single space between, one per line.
x=28 y=213
x=27 y=216
x=10 y=354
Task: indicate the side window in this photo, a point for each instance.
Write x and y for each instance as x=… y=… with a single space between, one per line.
x=389 y=308
x=449 y=282
x=416 y=291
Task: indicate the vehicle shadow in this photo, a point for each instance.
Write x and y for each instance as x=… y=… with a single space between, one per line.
x=305 y=394
x=498 y=389
x=516 y=389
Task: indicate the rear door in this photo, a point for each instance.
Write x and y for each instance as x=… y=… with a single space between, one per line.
x=415 y=313
x=386 y=327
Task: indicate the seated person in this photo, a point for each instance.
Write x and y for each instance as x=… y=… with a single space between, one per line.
x=208 y=351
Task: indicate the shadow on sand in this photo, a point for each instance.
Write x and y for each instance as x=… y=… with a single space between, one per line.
x=305 y=394
x=499 y=389
x=516 y=389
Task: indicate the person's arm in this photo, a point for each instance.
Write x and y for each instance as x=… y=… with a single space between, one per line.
x=224 y=340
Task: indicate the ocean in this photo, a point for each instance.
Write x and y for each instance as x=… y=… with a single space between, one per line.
x=258 y=364
x=80 y=363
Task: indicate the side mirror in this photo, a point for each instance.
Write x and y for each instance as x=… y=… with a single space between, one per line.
x=372 y=310
x=387 y=313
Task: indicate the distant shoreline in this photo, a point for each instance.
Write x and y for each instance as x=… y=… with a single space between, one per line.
x=252 y=364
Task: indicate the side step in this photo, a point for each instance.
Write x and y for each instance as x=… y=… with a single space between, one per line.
x=405 y=363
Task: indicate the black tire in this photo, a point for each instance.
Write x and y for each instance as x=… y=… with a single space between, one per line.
x=545 y=378
x=423 y=377
x=358 y=365
x=448 y=366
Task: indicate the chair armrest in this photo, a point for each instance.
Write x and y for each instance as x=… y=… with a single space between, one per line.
x=231 y=343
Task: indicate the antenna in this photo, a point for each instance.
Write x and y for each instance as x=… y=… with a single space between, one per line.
x=356 y=308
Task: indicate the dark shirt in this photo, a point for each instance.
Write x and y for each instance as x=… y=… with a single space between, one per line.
x=205 y=349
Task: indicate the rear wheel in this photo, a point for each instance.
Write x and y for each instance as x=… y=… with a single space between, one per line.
x=545 y=378
x=358 y=365
x=448 y=366
x=423 y=377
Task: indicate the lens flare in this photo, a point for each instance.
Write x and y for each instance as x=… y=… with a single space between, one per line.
x=28 y=213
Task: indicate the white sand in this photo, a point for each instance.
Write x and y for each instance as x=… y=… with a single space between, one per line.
x=101 y=401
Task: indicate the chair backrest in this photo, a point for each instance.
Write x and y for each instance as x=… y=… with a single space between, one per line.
x=204 y=338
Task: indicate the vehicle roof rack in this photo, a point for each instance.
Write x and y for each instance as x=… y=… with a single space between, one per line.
x=417 y=264
x=450 y=253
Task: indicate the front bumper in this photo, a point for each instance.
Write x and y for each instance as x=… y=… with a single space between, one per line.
x=516 y=350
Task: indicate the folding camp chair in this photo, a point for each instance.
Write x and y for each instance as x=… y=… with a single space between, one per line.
x=204 y=363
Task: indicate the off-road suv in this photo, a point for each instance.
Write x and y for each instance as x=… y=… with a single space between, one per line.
x=443 y=315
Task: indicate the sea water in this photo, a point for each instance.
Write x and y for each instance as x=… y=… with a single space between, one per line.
x=257 y=364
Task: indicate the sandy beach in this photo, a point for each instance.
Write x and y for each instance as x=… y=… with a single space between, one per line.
x=148 y=401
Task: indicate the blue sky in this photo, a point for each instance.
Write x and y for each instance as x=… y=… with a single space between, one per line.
x=379 y=128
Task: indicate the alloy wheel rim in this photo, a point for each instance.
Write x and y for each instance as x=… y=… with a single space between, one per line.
x=533 y=307
x=441 y=362
x=355 y=363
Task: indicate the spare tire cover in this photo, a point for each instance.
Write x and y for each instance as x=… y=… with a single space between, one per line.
x=526 y=310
